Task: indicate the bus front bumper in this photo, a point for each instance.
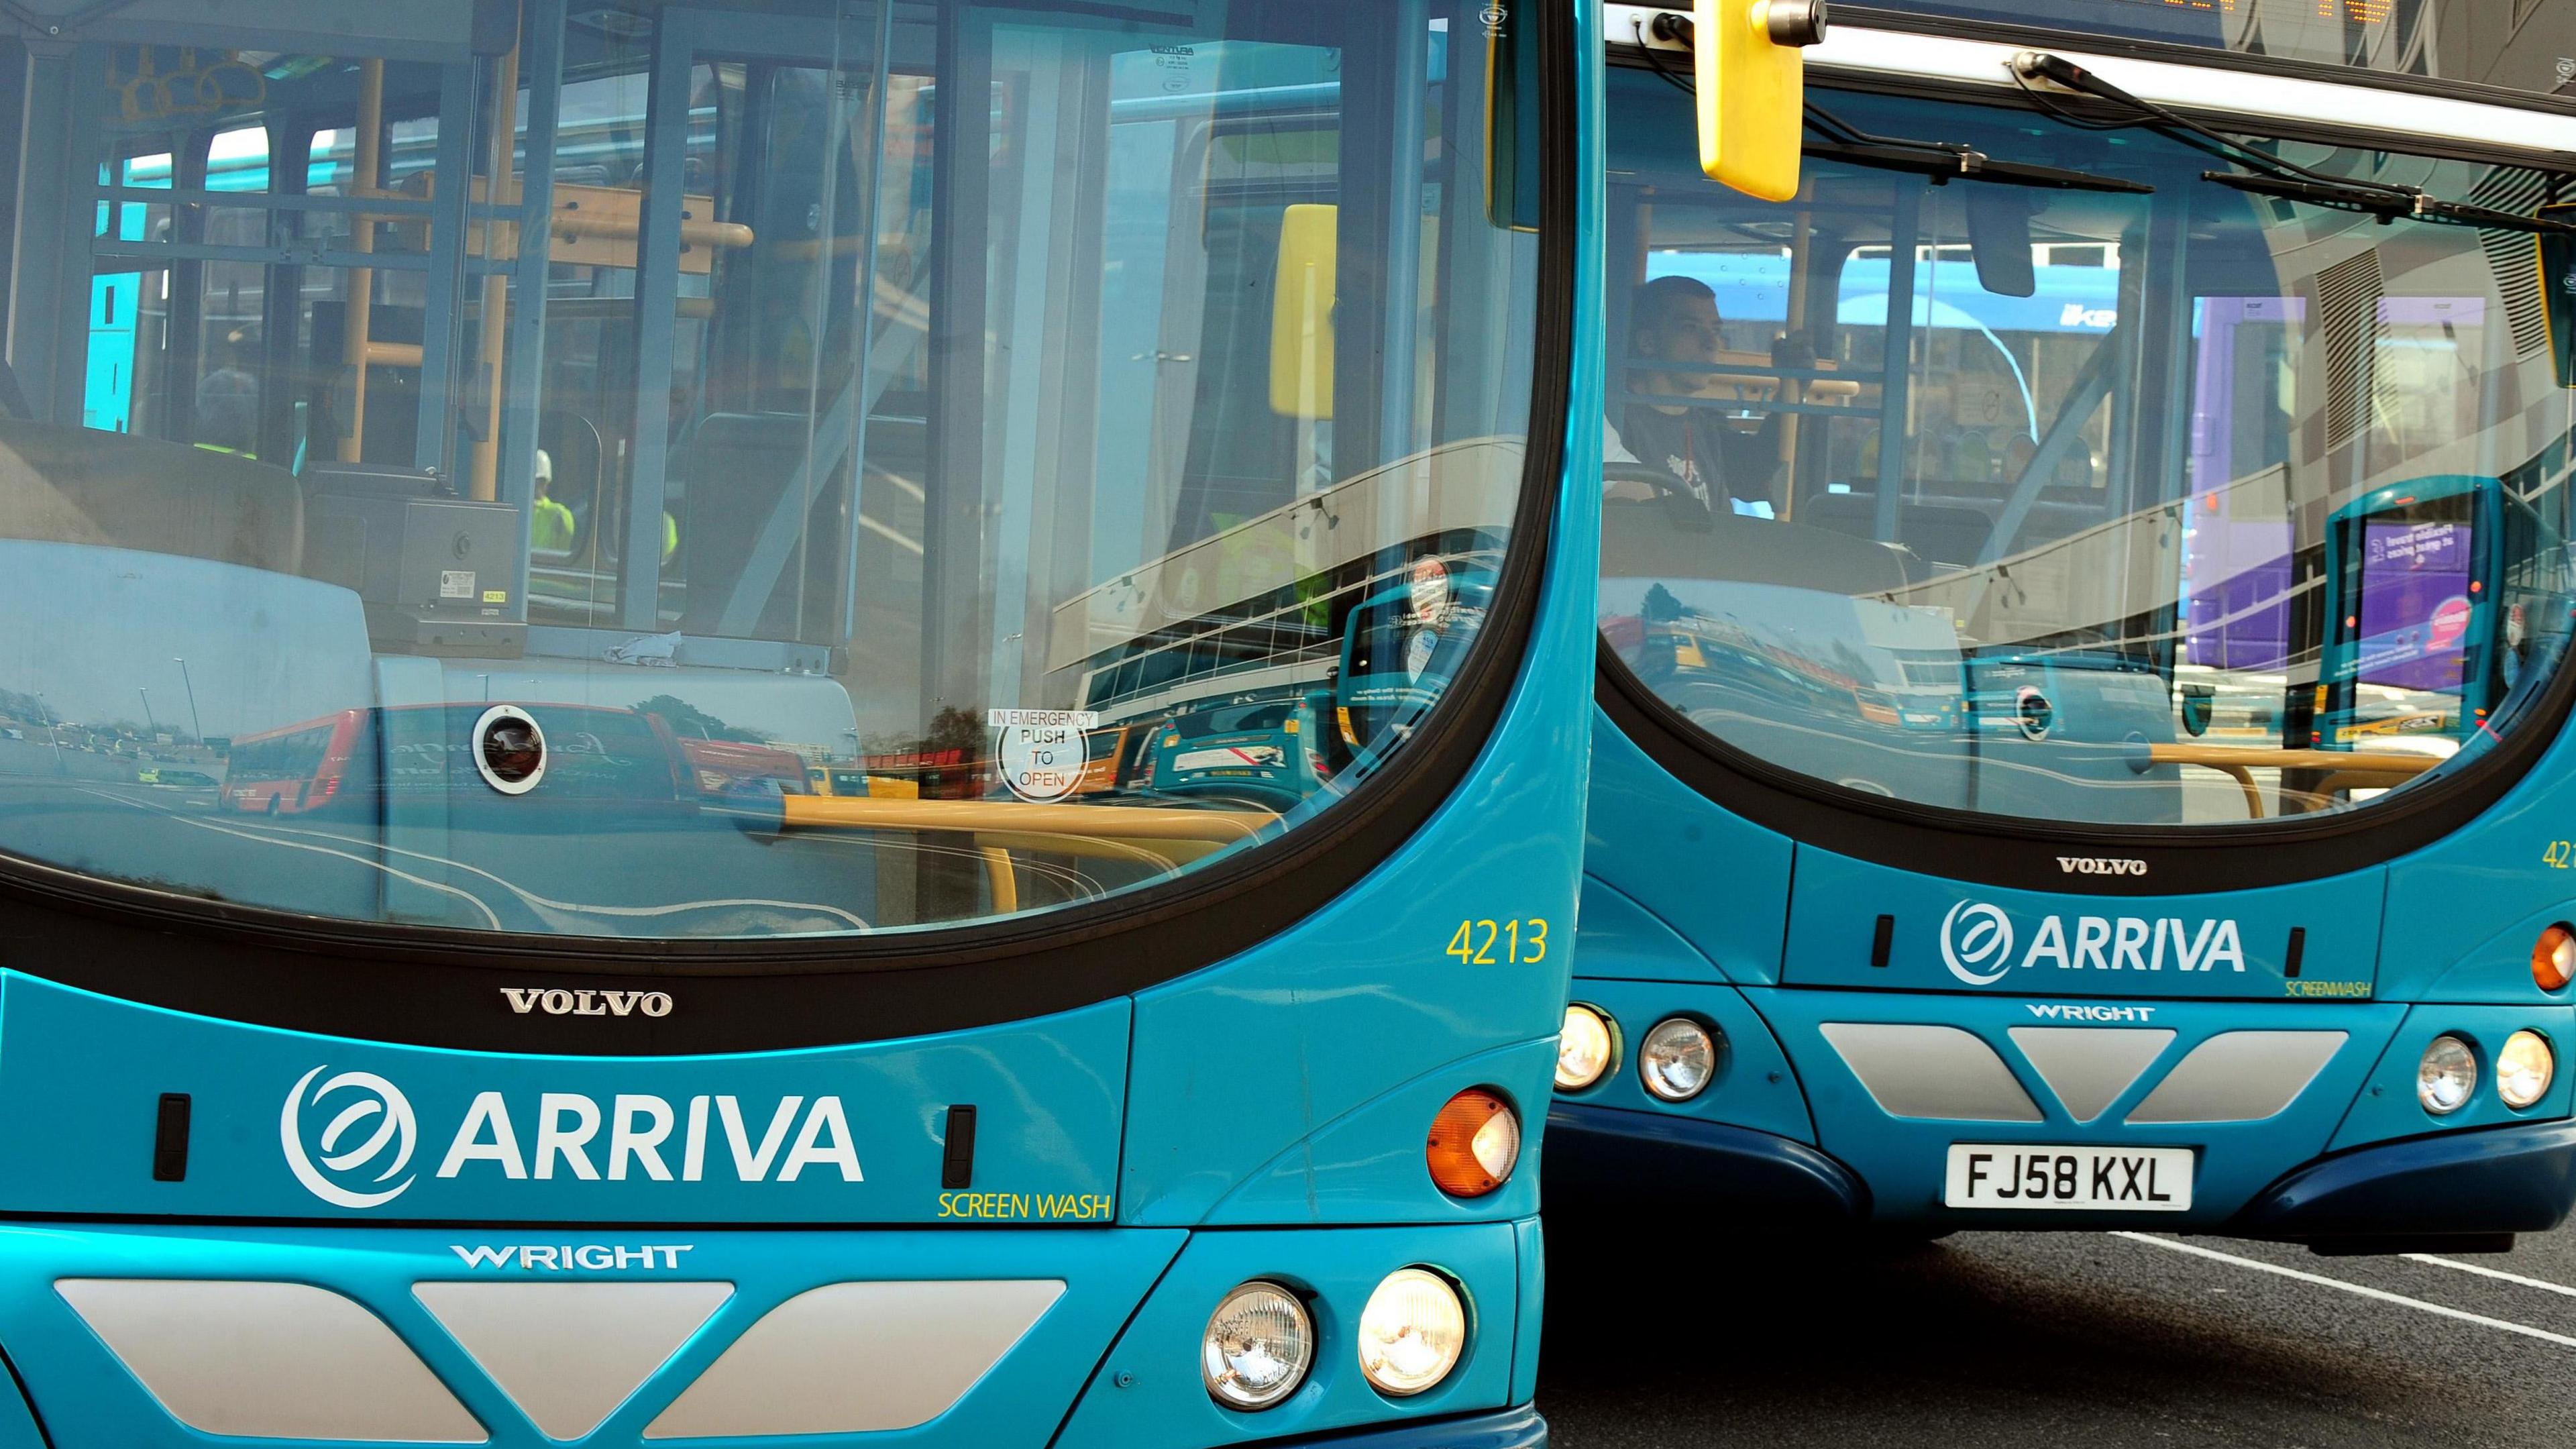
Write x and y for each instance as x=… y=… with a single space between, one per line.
x=1520 y=1428
x=1598 y=1159
x=2461 y=1191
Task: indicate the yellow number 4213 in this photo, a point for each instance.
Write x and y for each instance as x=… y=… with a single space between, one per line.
x=1520 y=942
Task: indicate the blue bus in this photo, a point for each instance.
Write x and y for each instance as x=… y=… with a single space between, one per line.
x=2083 y=691
x=513 y=418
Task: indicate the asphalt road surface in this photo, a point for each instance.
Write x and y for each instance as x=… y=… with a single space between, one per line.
x=2086 y=1339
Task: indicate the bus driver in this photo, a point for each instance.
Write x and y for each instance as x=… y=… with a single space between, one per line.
x=1675 y=319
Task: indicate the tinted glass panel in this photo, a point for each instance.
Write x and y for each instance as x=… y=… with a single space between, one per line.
x=2148 y=502
x=848 y=434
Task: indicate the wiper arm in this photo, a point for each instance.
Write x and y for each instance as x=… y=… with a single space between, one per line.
x=2388 y=203
x=1945 y=164
x=1946 y=161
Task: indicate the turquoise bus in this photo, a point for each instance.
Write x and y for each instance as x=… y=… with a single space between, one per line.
x=2085 y=595
x=536 y=442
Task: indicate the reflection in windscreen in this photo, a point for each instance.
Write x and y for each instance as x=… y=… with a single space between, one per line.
x=2143 y=502
x=2451 y=40
x=893 y=499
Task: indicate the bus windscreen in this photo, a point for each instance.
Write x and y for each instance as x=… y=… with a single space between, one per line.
x=834 y=485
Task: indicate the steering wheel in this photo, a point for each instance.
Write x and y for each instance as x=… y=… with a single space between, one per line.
x=1655 y=478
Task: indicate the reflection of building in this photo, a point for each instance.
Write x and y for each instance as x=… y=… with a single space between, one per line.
x=2524 y=45
x=1261 y=604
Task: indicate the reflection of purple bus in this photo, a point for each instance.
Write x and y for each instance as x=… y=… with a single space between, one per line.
x=2236 y=533
x=2237 y=537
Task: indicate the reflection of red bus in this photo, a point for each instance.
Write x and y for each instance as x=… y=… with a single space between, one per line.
x=363 y=759
x=731 y=767
x=301 y=767
x=940 y=774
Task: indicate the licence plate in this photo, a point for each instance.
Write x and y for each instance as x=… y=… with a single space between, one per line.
x=2102 y=1179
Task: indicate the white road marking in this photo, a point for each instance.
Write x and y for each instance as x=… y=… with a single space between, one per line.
x=466 y=896
x=2322 y=1281
x=263 y=830
x=2485 y=1272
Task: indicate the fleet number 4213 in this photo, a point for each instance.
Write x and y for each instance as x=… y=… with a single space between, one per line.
x=1495 y=943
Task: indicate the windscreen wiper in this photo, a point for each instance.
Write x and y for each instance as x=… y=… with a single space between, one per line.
x=2270 y=175
x=1968 y=165
x=2377 y=201
x=1946 y=161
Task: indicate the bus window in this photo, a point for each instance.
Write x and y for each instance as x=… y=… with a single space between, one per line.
x=2213 y=526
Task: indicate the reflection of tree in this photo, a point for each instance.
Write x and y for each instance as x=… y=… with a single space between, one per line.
x=957 y=729
x=1660 y=605
x=690 y=722
x=950 y=729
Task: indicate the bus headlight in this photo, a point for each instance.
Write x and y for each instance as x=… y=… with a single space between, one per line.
x=1678 y=1058
x=2523 y=1069
x=1412 y=1332
x=1475 y=1142
x=2446 y=1076
x=2553 y=958
x=1585 y=1048
x=1260 y=1343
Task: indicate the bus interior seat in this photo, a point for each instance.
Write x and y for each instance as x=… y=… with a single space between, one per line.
x=731 y=478
x=1945 y=536
x=393 y=390
x=13 y=398
x=82 y=485
x=1639 y=541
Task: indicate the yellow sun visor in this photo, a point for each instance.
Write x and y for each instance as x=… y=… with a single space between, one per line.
x=1752 y=88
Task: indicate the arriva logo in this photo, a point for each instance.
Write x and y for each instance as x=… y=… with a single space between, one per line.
x=1977 y=944
x=373 y=1106
x=368 y=1134
x=1986 y=941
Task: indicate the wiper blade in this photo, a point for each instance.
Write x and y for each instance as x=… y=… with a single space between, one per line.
x=1945 y=163
x=2389 y=204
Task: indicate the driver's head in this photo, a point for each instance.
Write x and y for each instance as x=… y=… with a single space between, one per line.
x=1675 y=318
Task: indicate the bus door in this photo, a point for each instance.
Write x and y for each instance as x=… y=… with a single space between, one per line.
x=739 y=338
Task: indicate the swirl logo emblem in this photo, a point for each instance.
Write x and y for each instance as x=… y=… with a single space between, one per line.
x=1977 y=942
x=367 y=1125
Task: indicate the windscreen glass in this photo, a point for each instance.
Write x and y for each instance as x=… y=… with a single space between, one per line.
x=2133 y=499
x=745 y=469
x=2525 y=45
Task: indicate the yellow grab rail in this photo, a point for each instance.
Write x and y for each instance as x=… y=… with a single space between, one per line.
x=2344 y=769
x=1172 y=838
